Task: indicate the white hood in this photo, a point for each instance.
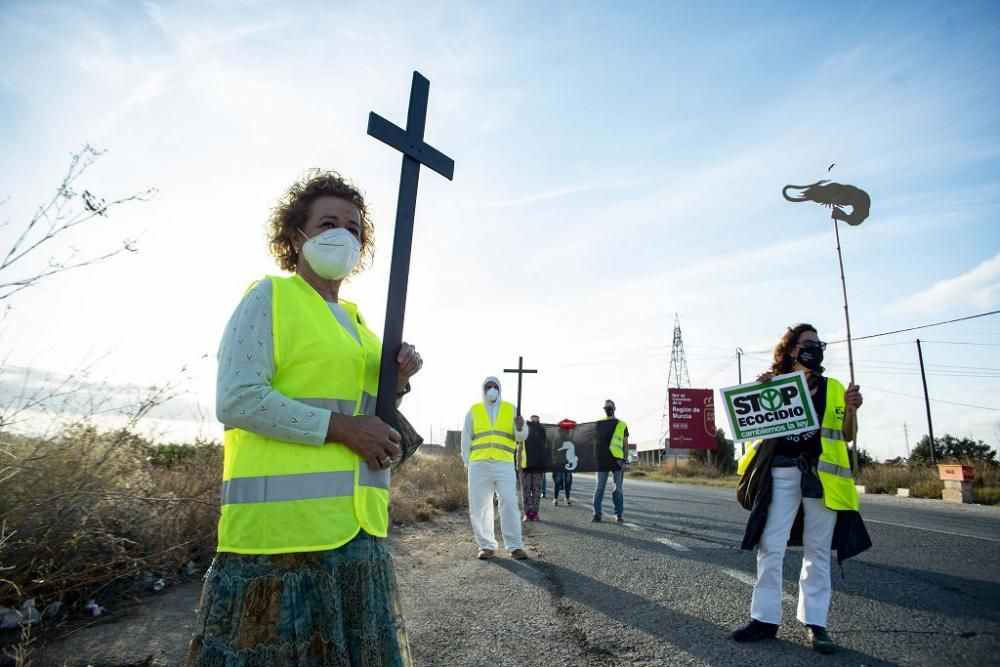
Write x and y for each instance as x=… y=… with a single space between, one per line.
x=499 y=390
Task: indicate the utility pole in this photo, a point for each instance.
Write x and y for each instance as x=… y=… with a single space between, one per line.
x=739 y=380
x=927 y=401
x=906 y=435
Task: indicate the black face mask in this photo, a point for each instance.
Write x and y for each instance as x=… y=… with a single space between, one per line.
x=811 y=358
x=609 y=412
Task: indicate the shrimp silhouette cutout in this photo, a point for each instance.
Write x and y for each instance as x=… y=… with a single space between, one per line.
x=835 y=195
x=571 y=458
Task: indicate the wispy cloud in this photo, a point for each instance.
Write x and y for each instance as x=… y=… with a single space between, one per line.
x=545 y=196
x=978 y=287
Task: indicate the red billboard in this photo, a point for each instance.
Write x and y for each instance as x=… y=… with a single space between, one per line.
x=692 y=418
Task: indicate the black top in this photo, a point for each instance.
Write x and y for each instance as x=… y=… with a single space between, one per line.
x=807 y=443
x=605 y=431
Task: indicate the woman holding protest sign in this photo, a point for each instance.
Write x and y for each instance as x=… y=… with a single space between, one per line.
x=810 y=474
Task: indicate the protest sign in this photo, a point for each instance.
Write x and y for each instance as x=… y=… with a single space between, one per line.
x=781 y=406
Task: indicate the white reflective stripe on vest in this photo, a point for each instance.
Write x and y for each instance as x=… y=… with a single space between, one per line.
x=834 y=469
x=367 y=404
x=484 y=434
x=832 y=434
x=278 y=488
x=336 y=405
x=307 y=486
x=376 y=478
x=498 y=446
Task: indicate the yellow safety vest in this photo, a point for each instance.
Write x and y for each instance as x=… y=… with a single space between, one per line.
x=617 y=444
x=834 y=467
x=284 y=497
x=489 y=440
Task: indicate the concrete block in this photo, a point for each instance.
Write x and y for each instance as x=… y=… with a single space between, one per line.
x=860 y=488
x=903 y=493
x=957 y=492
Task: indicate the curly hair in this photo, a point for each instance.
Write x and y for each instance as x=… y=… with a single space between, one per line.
x=292 y=210
x=782 y=361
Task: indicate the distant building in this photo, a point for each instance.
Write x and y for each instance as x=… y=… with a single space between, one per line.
x=654 y=453
x=453 y=442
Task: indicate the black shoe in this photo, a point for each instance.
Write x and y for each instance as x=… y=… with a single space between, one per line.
x=596 y=519
x=754 y=631
x=820 y=639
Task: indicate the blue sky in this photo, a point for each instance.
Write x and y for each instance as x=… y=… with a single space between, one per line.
x=615 y=165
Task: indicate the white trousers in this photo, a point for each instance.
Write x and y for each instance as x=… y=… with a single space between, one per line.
x=817 y=535
x=486 y=478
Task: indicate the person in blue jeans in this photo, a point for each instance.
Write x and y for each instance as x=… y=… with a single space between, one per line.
x=612 y=460
x=563 y=481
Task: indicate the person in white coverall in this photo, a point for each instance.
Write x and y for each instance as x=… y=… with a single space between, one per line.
x=489 y=439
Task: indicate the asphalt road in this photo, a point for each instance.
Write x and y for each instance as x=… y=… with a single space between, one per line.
x=663 y=589
x=666 y=587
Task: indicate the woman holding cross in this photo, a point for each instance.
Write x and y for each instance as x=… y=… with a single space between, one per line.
x=810 y=474
x=303 y=575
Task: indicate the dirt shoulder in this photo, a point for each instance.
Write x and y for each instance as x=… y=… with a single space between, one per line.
x=444 y=593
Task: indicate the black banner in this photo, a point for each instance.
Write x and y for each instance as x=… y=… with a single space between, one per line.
x=571 y=447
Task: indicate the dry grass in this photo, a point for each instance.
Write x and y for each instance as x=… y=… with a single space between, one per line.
x=86 y=511
x=923 y=481
x=92 y=514
x=427 y=485
x=683 y=471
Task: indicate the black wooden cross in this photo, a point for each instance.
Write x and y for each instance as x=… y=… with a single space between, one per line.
x=410 y=142
x=520 y=370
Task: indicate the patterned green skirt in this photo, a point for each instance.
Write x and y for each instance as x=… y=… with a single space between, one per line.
x=322 y=608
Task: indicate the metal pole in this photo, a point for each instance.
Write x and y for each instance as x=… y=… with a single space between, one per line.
x=739 y=376
x=927 y=402
x=520 y=374
x=847 y=319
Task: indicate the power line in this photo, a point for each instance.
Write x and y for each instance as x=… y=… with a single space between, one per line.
x=922 y=326
x=889 y=333
x=724 y=366
x=935 y=400
x=947 y=342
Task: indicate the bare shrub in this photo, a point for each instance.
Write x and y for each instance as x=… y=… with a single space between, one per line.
x=427 y=485
x=923 y=480
x=68 y=208
x=87 y=510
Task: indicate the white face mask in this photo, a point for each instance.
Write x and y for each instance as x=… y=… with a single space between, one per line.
x=332 y=254
x=492 y=394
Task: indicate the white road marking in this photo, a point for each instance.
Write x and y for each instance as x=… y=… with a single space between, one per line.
x=672 y=544
x=934 y=530
x=632 y=525
x=752 y=581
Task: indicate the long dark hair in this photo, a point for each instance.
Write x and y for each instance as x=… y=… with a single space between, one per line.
x=782 y=361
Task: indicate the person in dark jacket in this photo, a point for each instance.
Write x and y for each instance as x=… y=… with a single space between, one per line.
x=810 y=475
x=531 y=464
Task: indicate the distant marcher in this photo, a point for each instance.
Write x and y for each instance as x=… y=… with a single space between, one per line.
x=531 y=462
x=489 y=441
x=562 y=480
x=810 y=471
x=303 y=575
x=612 y=460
